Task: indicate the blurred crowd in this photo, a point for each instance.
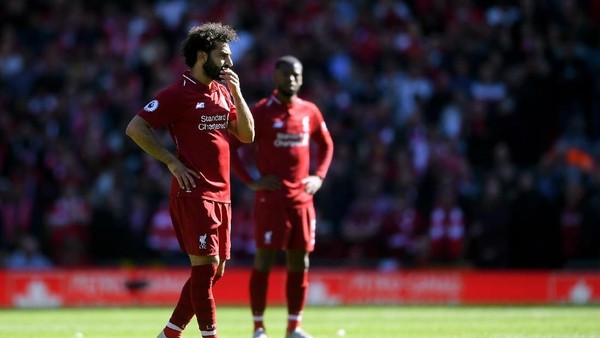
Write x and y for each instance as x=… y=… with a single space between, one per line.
x=467 y=132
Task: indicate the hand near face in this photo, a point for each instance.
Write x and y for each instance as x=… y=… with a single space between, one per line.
x=231 y=79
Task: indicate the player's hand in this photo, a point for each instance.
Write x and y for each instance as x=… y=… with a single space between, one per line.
x=268 y=182
x=231 y=79
x=184 y=175
x=312 y=184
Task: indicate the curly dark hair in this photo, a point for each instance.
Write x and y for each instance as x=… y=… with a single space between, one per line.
x=204 y=38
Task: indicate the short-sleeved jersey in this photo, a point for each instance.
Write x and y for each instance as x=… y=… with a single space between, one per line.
x=282 y=145
x=197 y=117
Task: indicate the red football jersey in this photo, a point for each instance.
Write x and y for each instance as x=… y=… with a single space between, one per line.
x=282 y=147
x=197 y=117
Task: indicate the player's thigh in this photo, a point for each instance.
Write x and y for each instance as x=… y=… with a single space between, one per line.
x=303 y=228
x=225 y=232
x=271 y=227
x=202 y=226
x=297 y=260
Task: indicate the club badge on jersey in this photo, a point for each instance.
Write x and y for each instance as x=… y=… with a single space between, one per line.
x=151 y=106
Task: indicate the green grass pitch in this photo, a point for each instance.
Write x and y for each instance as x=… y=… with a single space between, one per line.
x=383 y=321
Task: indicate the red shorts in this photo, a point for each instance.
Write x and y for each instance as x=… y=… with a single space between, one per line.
x=282 y=228
x=203 y=227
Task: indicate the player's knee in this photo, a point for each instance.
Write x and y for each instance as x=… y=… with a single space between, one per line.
x=298 y=267
x=297 y=261
x=262 y=266
x=203 y=260
x=263 y=260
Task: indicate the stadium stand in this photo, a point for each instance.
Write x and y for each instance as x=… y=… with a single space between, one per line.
x=467 y=132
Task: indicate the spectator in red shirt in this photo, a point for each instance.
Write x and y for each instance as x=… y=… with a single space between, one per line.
x=68 y=223
x=447 y=227
x=403 y=231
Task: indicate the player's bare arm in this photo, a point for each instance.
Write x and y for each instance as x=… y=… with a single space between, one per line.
x=243 y=127
x=142 y=133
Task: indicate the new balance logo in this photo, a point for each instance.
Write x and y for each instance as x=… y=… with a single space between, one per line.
x=199 y=105
x=203 y=242
x=268 y=236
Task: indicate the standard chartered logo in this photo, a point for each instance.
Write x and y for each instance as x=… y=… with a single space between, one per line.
x=291 y=140
x=294 y=140
x=213 y=122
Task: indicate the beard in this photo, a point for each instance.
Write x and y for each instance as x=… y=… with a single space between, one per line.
x=289 y=92
x=211 y=69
